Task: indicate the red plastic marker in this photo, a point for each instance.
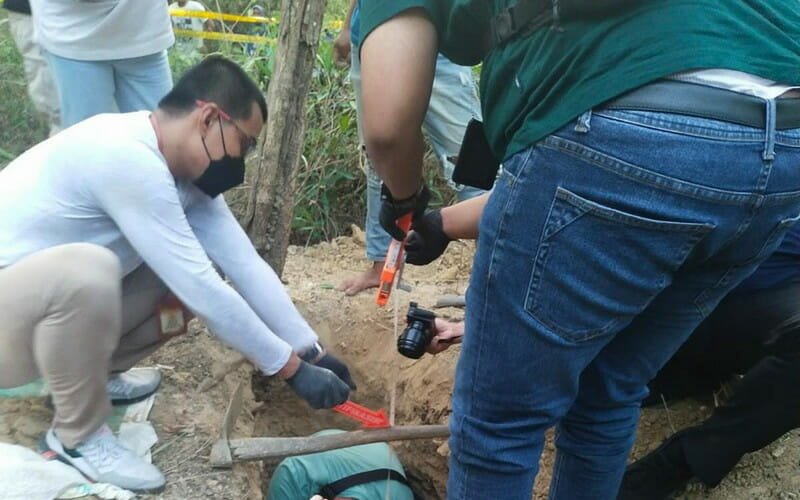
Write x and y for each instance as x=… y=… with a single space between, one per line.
x=362 y=414
x=394 y=260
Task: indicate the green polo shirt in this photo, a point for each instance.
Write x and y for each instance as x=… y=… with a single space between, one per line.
x=301 y=477
x=533 y=86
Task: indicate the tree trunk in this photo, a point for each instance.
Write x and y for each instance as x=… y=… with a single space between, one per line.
x=270 y=207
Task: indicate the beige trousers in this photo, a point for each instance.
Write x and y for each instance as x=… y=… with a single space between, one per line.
x=41 y=86
x=62 y=311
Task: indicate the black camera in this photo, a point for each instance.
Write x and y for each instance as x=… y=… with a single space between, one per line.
x=418 y=333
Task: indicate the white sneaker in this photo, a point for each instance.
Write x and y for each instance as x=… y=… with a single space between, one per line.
x=133 y=385
x=102 y=458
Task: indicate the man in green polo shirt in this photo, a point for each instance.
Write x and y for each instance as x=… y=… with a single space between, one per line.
x=651 y=161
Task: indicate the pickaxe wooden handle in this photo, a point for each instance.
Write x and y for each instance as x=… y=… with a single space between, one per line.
x=265 y=447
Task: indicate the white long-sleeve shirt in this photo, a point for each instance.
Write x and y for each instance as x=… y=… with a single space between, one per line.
x=104 y=181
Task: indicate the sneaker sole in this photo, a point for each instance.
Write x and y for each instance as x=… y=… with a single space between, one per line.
x=50 y=454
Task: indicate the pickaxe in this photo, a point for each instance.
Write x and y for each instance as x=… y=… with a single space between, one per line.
x=226 y=451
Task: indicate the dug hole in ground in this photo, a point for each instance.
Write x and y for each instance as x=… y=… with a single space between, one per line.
x=188 y=421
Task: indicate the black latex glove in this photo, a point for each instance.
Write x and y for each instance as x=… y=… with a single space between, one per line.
x=427 y=242
x=320 y=387
x=335 y=365
x=392 y=209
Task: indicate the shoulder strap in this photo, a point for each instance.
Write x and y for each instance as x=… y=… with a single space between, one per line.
x=523 y=15
x=331 y=490
x=526 y=16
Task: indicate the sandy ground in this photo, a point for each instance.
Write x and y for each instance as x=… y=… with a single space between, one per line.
x=187 y=420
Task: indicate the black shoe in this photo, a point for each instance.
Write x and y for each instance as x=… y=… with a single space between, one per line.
x=658 y=475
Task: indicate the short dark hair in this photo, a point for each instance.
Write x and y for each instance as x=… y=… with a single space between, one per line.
x=218 y=80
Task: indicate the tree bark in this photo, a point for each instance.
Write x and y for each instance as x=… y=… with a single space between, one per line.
x=270 y=207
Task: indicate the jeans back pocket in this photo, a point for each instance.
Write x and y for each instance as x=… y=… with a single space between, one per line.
x=597 y=267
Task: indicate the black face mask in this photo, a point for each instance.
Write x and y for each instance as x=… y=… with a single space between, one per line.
x=222 y=174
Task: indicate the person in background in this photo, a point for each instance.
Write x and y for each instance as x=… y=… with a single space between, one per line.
x=453 y=103
x=105 y=56
x=755 y=332
x=256 y=29
x=189 y=46
x=114 y=226
x=365 y=472
x=41 y=88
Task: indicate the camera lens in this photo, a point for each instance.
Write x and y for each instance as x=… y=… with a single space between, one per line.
x=414 y=340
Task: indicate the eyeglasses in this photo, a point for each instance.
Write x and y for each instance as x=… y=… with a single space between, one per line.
x=248 y=143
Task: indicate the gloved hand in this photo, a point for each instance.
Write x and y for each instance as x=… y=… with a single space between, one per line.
x=319 y=386
x=392 y=209
x=427 y=242
x=335 y=365
x=317 y=355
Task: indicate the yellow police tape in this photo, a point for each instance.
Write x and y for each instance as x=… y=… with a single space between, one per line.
x=222 y=17
x=230 y=37
x=335 y=24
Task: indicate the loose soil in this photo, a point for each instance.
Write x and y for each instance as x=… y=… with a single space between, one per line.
x=187 y=420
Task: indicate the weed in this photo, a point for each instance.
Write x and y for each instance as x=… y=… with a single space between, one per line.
x=20 y=126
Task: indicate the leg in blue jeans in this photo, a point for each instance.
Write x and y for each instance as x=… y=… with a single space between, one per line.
x=85 y=88
x=88 y=88
x=141 y=81
x=599 y=254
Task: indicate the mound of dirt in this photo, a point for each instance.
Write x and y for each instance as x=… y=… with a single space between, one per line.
x=187 y=420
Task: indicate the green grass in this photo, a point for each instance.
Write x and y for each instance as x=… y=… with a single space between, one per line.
x=20 y=125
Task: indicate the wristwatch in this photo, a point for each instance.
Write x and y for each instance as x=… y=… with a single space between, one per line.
x=313 y=353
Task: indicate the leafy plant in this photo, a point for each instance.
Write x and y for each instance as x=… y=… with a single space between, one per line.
x=20 y=125
x=331 y=185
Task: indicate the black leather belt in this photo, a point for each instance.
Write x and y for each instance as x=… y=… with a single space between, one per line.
x=668 y=96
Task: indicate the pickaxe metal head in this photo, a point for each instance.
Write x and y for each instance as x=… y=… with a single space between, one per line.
x=221 y=450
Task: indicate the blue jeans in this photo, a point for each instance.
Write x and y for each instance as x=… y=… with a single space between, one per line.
x=601 y=248
x=88 y=88
x=454 y=102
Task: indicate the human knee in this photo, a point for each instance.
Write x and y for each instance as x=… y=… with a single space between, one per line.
x=607 y=432
x=92 y=271
x=784 y=339
x=501 y=447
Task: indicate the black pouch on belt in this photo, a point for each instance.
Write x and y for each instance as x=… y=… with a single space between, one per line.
x=476 y=165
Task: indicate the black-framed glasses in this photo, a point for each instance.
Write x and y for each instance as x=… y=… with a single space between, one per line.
x=249 y=143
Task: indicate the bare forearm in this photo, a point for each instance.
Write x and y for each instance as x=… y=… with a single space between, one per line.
x=290 y=368
x=398 y=162
x=397 y=65
x=460 y=221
